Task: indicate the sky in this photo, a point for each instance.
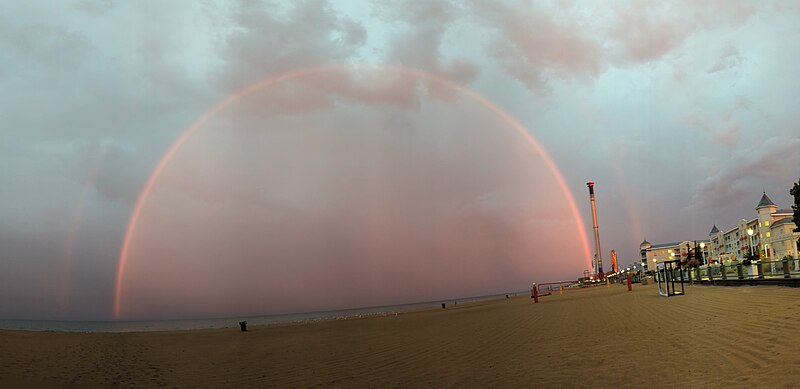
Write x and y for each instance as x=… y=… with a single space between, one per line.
x=268 y=157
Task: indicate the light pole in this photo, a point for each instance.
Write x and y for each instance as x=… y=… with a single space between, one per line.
x=702 y=256
x=750 y=243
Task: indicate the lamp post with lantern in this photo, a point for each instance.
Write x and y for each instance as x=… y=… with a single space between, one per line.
x=700 y=256
x=751 y=269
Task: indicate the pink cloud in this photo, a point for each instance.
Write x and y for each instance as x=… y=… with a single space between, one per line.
x=644 y=39
x=727 y=137
x=534 y=48
x=645 y=32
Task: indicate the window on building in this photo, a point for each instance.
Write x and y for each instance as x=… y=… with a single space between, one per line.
x=768 y=234
x=766 y=223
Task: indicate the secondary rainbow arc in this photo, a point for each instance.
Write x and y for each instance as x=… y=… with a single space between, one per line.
x=430 y=77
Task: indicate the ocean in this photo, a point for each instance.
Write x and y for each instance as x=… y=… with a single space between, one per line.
x=226 y=322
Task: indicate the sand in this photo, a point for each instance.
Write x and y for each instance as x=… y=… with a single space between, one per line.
x=711 y=337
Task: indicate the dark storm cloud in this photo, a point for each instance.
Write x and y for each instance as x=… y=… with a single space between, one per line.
x=269 y=40
x=773 y=159
x=423 y=25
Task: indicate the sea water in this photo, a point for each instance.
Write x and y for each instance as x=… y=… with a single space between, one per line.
x=227 y=322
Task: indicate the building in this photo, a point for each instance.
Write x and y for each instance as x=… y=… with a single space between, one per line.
x=770 y=235
x=651 y=254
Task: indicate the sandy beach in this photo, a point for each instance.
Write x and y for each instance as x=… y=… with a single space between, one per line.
x=711 y=337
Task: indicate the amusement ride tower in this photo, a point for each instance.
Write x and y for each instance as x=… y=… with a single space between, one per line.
x=598 y=254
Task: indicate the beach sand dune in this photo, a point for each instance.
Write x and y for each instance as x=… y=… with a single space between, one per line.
x=711 y=337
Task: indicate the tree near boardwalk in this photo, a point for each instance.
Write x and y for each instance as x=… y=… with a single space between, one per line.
x=691 y=257
x=750 y=258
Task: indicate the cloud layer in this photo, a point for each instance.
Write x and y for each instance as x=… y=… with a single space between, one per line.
x=682 y=112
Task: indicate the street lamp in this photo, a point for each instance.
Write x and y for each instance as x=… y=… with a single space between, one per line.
x=701 y=255
x=750 y=240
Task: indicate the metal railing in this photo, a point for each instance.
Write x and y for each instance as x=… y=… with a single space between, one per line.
x=786 y=268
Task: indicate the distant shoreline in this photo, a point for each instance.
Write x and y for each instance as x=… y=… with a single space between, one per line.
x=166 y=325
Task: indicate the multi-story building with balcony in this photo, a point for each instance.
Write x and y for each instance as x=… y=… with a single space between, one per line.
x=652 y=254
x=770 y=235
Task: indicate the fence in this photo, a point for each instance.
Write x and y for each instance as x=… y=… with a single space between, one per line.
x=759 y=270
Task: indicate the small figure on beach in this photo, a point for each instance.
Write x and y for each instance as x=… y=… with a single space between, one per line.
x=443 y=305
x=243 y=325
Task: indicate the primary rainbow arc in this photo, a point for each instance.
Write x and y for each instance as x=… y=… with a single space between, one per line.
x=430 y=77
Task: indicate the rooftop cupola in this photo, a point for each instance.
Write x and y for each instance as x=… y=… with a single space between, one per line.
x=765 y=202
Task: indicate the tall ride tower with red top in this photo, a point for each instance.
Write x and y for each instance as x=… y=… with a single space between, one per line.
x=598 y=254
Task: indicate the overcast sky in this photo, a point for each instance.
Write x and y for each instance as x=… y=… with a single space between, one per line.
x=364 y=183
